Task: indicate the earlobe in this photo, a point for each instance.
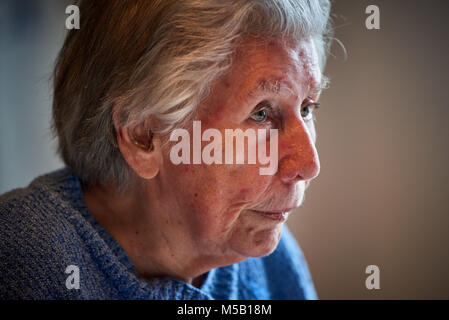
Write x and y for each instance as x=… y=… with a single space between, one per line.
x=140 y=148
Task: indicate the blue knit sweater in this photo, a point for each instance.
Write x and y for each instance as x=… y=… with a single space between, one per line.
x=46 y=227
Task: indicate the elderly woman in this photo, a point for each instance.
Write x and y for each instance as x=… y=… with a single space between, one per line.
x=126 y=219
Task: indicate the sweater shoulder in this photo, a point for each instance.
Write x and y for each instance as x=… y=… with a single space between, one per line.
x=35 y=239
x=31 y=198
x=33 y=212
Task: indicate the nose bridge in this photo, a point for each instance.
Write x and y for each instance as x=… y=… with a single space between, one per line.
x=299 y=159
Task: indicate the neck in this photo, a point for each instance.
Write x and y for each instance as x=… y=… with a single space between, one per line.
x=146 y=233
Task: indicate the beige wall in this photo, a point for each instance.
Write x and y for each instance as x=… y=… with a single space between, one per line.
x=381 y=197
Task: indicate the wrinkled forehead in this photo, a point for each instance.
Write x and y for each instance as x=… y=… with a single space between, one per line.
x=276 y=65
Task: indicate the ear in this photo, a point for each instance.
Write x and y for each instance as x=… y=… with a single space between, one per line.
x=134 y=142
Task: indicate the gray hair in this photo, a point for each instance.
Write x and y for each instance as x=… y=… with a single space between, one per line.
x=157 y=58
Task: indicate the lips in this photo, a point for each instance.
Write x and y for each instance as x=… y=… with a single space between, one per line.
x=273 y=215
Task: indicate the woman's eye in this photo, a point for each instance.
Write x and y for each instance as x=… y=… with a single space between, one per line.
x=307 y=108
x=305 y=111
x=259 y=116
x=262 y=113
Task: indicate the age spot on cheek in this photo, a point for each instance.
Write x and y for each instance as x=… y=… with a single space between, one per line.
x=244 y=192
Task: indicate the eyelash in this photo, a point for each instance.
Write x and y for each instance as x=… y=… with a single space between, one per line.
x=266 y=106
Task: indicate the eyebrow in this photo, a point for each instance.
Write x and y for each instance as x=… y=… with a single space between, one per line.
x=268 y=86
x=276 y=87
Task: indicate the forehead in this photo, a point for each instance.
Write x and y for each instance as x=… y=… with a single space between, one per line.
x=276 y=66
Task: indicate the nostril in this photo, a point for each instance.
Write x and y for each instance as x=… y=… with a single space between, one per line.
x=293 y=178
x=294 y=169
x=298 y=178
x=290 y=171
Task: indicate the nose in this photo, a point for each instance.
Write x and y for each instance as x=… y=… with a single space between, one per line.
x=299 y=160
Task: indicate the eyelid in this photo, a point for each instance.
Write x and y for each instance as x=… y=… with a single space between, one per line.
x=263 y=105
x=310 y=101
x=315 y=105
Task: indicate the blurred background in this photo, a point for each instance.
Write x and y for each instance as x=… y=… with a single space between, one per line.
x=381 y=197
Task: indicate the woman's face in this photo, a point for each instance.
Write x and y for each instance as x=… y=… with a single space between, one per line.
x=220 y=207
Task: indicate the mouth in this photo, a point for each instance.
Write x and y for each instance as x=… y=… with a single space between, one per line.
x=279 y=216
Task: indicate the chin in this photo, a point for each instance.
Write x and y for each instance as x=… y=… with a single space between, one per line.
x=261 y=243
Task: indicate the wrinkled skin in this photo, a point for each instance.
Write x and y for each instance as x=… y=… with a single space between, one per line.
x=190 y=218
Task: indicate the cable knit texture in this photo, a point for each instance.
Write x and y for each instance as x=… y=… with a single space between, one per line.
x=46 y=227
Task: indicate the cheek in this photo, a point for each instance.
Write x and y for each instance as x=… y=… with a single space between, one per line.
x=210 y=198
x=221 y=195
x=247 y=183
